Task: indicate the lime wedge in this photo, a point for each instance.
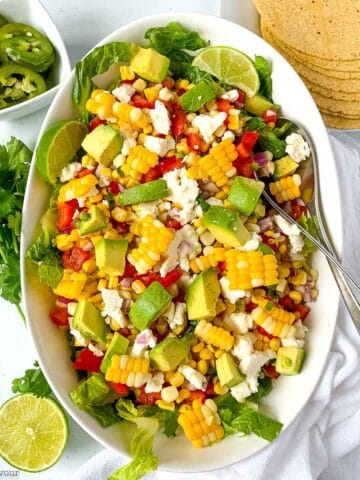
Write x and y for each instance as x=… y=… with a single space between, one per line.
x=230 y=66
x=58 y=146
x=33 y=432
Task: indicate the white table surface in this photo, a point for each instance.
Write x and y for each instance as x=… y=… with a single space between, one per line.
x=83 y=23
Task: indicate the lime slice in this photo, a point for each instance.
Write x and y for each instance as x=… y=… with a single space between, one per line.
x=230 y=66
x=58 y=146
x=33 y=432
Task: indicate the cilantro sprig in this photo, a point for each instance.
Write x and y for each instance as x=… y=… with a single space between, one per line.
x=33 y=381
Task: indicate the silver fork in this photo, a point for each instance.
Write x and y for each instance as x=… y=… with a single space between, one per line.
x=310 y=190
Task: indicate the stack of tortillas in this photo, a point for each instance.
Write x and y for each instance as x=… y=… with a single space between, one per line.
x=321 y=39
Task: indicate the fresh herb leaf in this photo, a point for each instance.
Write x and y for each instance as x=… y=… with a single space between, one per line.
x=96 y=62
x=50 y=270
x=263 y=68
x=203 y=204
x=33 y=382
x=241 y=418
x=267 y=139
x=105 y=414
x=167 y=419
x=172 y=38
x=284 y=128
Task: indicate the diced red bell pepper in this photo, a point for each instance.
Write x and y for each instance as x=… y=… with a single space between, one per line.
x=178 y=123
x=130 y=270
x=244 y=167
x=210 y=392
x=297 y=211
x=141 y=102
x=246 y=144
x=195 y=142
x=114 y=187
x=268 y=241
x=148 y=278
x=196 y=394
x=65 y=214
x=129 y=81
x=302 y=310
x=83 y=173
x=74 y=203
x=222 y=266
x=120 y=388
x=223 y=105
x=264 y=333
x=88 y=361
x=287 y=303
x=269 y=116
x=153 y=174
x=170 y=163
x=147 y=398
x=173 y=223
x=60 y=316
x=250 y=306
x=270 y=371
x=171 y=277
x=96 y=122
x=181 y=91
x=75 y=258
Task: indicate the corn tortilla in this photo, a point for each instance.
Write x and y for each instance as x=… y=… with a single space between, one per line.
x=341 y=123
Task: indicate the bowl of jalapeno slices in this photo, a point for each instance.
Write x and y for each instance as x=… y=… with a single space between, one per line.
x=33 y=58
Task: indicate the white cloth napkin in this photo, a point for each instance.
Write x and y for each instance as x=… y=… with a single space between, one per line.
x=329 y=426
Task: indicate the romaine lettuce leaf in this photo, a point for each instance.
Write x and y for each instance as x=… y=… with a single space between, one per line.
x=167 y=419
x=127 y=410
x=267 y=139
x=309 y=225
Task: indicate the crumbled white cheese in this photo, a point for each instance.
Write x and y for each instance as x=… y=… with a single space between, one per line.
x=143 y=342
x=71 y=307
x=104 y=181
x=232 y=295
x=160 y=118
x=166 y=95
x=124 y=92
x=160 y=146
x=239 y=322
x=112 y=306
x=245 y=388
x=297 y=147
x=79 y=337
x=292 y=231
x=119 y=160
x=176 y=315
x=243 y=346
x=195 y=378
x=129 y=143
x=183 y=191
x=155 y=383
x=96 y=350
x=91 y=193
x=208 y=124
x=252 y=364
x=184 y=247
x=70 y=171
x=252 y=244
x=231 y=95
x=147 y=208
x=299 y=337
x=228 y=134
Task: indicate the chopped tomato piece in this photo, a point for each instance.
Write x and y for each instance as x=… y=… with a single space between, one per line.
x=65 y=214
x=147 y=398
x=130 y=270
x=115 y=187
x=60 y=316
x=153 y=174
x=196 y=394
x=74 y=203
x=246 y=144
x=297 y=211
x=170 y=163
x=195 y=142
x=96 y=122
x=83 y=173
x=141 y=102
x=223 y=105
x=181 y=91
x=168 y=83
x=264 y=333
x=210 y=392
x=249 y=307
x=244 y=167
x=148 y=278
x=120 y=388
x=122 y=227
x=173 y=223
x=129 y=81
x=75 y=258
x=222 y=266
x=303 y=310
x=269 y=116
x=171 y=277
x=88 y=361
x=178 y=122
x=270 y=371
x=287 y=303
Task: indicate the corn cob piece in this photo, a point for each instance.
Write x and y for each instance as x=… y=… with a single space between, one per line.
x=218 y=163
x=101 y=104
x=216 y=336
x=203 y=262
x=194 y=171
x=127 y=114
x=155 y=240
x=131 y=371
x=274 y=320
x=287 y=188
x=77 y=188
x=201 y=423
x=126 y=73
x=246 y=270
x=71 y=285
x=139 y=162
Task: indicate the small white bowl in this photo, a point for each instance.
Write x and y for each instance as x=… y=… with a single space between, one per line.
x=33 y=13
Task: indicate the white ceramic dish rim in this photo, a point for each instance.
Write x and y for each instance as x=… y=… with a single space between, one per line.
x=45 y=97
x=82 y=419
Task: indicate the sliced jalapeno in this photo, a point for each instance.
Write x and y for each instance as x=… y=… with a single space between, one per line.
x=18 y=29
x=3 y=20
x=36 y=53
x=18 y=83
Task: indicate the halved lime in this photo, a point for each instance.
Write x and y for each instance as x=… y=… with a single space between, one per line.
x=33 y=432
x=58 y=146
x=231 y=66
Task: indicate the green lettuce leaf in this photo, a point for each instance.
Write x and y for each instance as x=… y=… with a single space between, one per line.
x=263 y=68
x=309 y=225
x=241 y=418
x=167 y=419
x=264 y=388
x=141 y=448
x=127 y=410
x=267 y=139
x=96 y=62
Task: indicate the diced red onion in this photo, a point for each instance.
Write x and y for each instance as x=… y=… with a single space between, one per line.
x=64 y=300
x=87 y=247
x=126 y=282
x=261 y=159
x=265 y=224
x=307 y=294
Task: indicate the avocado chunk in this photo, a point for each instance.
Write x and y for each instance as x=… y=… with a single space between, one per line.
x=149 y=306
x=110 y=255
x=150 y=64
x=258 y=104
x=94 y=223
x=285 y=166
x=197 y=96
x=145 y=192
x=89 y=322
x=169 y=353
x=226 y=226
x=289 y=360
x=103 y=144
x=118 y=346
x=228 y=373
x=245 y=194
x=202 y=295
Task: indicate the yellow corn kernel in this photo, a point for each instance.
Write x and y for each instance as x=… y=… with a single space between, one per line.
x=234 y=122
x=102 y=284
x=218 y=163
x=295 y=296
x=139 y=162
x=284 y=271
x=202 y=367
x=95 y=199
x=219 y=352
x=274 y=344
x=274 y=320
x=184 y=394
x=182 y=83
x=299 y=279
x=138 y=286
x=176 y=379
x=87 y=161
x=89 y=266
x=101 y=103
x=76 y=188
x=139 y=85
x=152 y=93
x=205 y=354
x=129 y=370
x=192 y=363
x=114 y=325
x=216 y=336
x=165 y=405
x=113 y=282
x=63 y=242
x=119 y=214
x=126 y=73
x=287 y=188
x=96 y=298
x=218 y=389
x=198 y=347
